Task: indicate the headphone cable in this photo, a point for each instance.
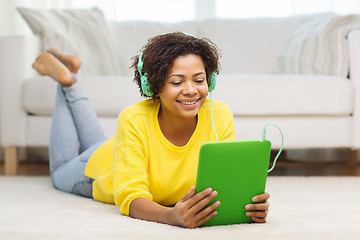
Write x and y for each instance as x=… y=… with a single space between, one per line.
x=212 y=117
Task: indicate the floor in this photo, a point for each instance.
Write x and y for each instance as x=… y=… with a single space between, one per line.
x=283 y=167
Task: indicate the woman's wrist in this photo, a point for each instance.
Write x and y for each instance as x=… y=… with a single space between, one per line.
x=143 y=208
x=174 y=219
x=170 y=216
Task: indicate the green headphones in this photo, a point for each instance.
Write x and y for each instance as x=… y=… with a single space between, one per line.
x=145 y=86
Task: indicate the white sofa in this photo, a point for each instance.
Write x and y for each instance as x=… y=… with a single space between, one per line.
x=314 y=111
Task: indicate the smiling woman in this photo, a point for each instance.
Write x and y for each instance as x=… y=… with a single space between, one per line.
x=149 y=168
x=182 y=95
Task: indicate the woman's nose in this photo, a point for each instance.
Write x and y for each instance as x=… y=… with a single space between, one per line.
x=190 y=89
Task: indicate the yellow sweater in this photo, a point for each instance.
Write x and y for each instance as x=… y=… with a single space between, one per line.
x=141 y=162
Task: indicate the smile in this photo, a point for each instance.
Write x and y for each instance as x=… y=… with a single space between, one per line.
x=188 y=103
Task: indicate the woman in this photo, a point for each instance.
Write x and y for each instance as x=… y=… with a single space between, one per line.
x=149 y=166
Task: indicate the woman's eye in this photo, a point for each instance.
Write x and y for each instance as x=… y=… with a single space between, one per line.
x=200 y=80
x=176 y=83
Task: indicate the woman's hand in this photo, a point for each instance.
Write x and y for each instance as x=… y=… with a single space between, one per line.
x=189 y=212
x=259 y=209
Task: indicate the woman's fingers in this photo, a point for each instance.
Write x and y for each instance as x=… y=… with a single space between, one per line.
x=258 y=206
x=199 y=205
x=206 y=211
x=206 y=218
x=257 y=214
x=199 y=210
x=261 y=197
x=258 y=210
x=188 y=195
x=193 y=200
x=191 y=212
x=259 y=220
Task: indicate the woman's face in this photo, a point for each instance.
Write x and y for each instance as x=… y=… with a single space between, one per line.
x=185 y=88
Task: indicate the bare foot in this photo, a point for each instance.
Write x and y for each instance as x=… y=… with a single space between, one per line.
x=47 y=64
x=73 y=63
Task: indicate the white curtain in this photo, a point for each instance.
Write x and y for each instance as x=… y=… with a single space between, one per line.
x=283 y=8
x=175 y=10
x=10 y=20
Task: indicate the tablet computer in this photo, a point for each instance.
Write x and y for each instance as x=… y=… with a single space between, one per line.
x=237 y=170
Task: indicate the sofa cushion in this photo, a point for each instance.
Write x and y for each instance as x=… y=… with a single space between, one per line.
x=248 y=45
x=133 y=35
x=81 y=32
x=247 y=95
x=38 y=128
x=318 y=45
x=257 y=95
x=108 y=95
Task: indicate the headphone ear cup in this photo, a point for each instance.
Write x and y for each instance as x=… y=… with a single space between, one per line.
x=145 y=86
x=212 y=81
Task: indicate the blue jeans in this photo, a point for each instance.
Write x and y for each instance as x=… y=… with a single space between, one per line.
x=75 y=135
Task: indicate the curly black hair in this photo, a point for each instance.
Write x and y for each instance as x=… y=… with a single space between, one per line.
x=161 y=51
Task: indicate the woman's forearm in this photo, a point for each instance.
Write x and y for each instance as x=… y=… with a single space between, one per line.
x=143 y=208
x=189 y=211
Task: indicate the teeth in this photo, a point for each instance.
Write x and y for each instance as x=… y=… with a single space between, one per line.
x=188 y=103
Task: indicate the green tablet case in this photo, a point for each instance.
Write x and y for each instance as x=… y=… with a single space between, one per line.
x=237 y=170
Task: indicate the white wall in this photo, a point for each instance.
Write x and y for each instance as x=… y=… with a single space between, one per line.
x=11 y=22
x=4 y=16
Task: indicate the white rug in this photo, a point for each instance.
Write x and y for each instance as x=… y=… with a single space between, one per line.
x=301 y=208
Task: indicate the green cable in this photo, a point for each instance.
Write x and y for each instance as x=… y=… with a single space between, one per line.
x=282 y=143
x=212 y=117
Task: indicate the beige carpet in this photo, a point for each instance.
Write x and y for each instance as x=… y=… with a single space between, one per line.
x=301 y=208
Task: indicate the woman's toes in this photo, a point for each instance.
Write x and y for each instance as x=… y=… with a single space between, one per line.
x=37 y=59
x=73 y=63
x=48 y=65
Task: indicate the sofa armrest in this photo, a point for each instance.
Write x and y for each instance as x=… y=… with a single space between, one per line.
x=354 y=53
x=16 y=55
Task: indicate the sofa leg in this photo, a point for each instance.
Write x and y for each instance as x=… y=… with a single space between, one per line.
x=352 y=158
x=11 y=161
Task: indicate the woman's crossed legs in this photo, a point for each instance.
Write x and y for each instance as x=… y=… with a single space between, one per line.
x=74 y=124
